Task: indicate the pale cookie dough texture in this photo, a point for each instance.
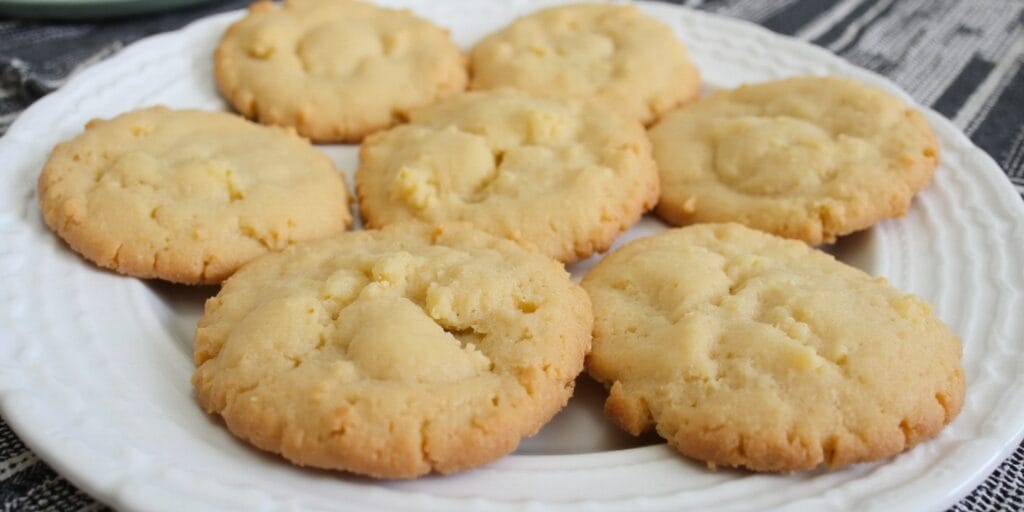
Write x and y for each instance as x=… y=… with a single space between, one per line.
x=188 y=196
x=393 y=353
x=335 y=70
x=810 y=158
x=745 y=349
x=565 y=177
x=613 y=54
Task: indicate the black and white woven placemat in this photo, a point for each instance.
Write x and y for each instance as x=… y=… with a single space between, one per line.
x=964 y=58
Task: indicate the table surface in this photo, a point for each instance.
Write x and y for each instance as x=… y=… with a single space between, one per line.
x=963 y=59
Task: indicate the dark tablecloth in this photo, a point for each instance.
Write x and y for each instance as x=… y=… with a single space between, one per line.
x=964 y=58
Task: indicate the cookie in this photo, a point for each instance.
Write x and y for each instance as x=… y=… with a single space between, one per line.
x=610 y=53
x=745 y=349
x=566 y=177
x=393 y=353
x=811 y=158
x=335 y=70
x=188 y=196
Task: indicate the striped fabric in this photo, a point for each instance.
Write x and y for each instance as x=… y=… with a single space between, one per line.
x=964 y=58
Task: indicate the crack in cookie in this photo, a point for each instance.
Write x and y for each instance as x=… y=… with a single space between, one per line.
x=335 y=70
x=811 y=158
x=566 y=177
x=393 y=353
x=745 y=349
x=188 y=196
x=612 y=54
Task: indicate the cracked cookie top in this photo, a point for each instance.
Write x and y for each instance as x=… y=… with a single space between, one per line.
x=746 y=349
x=335 y=70
x=612 y=54
x=810 y=158
x=566 y=177
x=188 y=196
x=394 y=352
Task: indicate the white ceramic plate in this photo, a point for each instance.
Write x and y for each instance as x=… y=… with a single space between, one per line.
x=95 y=367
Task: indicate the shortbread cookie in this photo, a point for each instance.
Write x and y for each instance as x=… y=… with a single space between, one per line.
x=566 y=177
x=188 y=196
x=393 y=353
x=810 y=158
x=611 y=53
x=335 y=70
x=746 y=349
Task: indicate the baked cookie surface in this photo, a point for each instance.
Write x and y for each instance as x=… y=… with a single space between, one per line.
x=810 y=158
x=746 y=349
x=613 y=54
x=335 y=70
x=566 y=177
x=188 y=196
x=394 y=352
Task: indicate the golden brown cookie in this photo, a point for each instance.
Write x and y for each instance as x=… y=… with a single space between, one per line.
x=810 y=158
x=566 y=177
x=335 y=70
x=188 y=196
x=746 y=349
x=612 y=54
x=393 y=353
